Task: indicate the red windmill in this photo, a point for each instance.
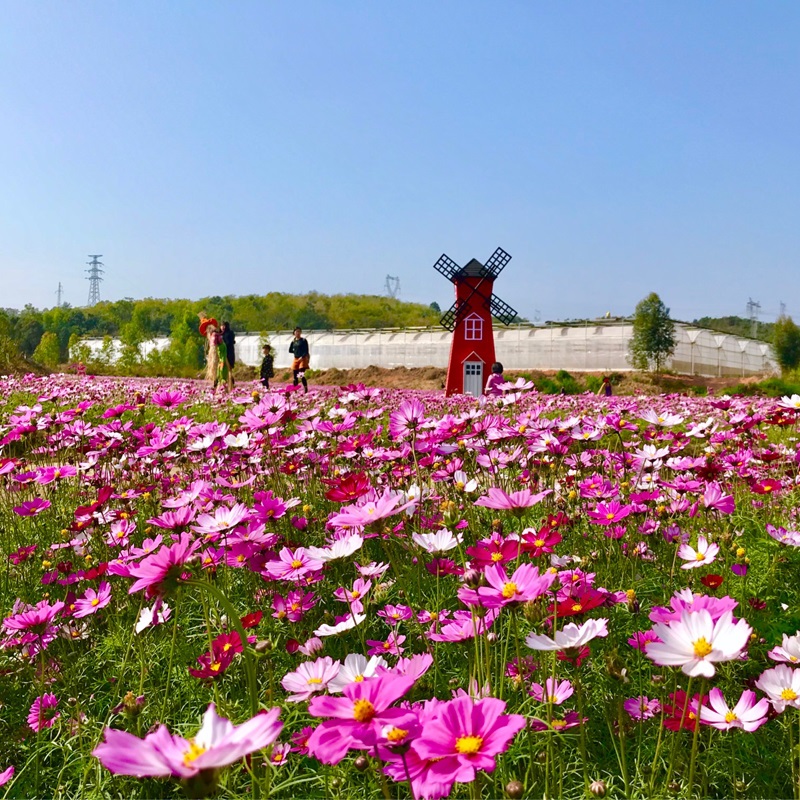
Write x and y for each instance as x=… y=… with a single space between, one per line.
x=470 y=319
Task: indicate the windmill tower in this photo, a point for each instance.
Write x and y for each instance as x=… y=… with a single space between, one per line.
x=470 y=320
x=95 y=273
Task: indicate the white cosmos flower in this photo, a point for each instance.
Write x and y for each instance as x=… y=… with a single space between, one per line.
x=148 y=617
x=789 y=651
x=240 y=440
x=463 y=482
x=439 y=542
x=341 y=548
x=354 y=670
x=704 y=554
x=695 y=642
x=781 y=685
x=346 y=624
x=571 y=636
x=792 y=402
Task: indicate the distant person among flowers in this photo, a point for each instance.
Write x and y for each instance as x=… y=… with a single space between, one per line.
x=605 y=387
x=299 y=349
x=495 y=379
x=217 y=367
x=267 y=366
x=229 y=337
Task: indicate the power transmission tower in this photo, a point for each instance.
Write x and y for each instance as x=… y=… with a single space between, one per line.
x=783 y=310
x=753 y=310
x=95 y=271
x=392 y=286
x=59 y=292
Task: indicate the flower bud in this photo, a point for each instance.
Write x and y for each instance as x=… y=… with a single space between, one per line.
x=473 y=578
x=598 y=788
x=515 y=789
x=361 y=763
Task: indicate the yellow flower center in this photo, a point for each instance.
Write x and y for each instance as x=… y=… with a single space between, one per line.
x=194 y=752
x=296 y=564
x=509 y=590
x=95 y=602
x=577 y=607
x=539 y=542
x=216 y=666
x=497 y=557
x=396 y=735
x=699 y=556
x=314 y=680
x=358 y=678
x=731 y=717
x=355 y=595
x=363 y=711
x=702 y=648
x=609 y=515
x=558 y=723
x=468 y=745
x=789 y=694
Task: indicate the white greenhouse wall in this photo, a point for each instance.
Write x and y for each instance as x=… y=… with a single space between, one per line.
x=594 y=347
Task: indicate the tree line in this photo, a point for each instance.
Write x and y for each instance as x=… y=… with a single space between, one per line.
x=49 y=336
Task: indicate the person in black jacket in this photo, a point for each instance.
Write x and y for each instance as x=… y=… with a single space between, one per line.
x=267 y=368
x=298 y=347
x=229 y=337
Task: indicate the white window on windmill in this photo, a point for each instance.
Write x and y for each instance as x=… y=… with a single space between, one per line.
x=473 y=327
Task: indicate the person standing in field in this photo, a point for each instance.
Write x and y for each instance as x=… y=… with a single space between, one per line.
x=229 y=337
x=267 y=366
x=299 y=350
x=605 y=387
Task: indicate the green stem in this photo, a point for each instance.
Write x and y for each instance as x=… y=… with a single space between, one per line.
x=695 y=739
x=233 y=617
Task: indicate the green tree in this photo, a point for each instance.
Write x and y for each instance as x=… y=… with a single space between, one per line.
x=653 y=334
x=48 y=351
x=786 y=344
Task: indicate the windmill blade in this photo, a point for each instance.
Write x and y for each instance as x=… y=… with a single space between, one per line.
x=449 y=319
x=496 y=263
x=501 y=310
x=447 y=267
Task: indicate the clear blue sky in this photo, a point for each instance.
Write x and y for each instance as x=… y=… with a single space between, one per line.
x=612 y=148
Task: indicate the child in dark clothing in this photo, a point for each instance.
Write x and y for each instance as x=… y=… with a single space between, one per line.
x=267 y=370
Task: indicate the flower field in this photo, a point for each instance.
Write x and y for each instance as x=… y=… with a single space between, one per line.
x=369 y=593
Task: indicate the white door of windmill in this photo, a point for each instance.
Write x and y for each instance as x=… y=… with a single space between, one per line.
x=473 y=378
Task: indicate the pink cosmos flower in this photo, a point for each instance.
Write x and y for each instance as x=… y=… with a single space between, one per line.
x=715 y=499
x=525 y=584
x=705 y=553
x=6 y=775
x=746 y=714
x=309 y=678
x=781 y=685
x=292 y=566
x=641 y=707
x=42 y=713
x=92 y=601
x=35 y=625
x=49 y=474
x=553 y=691
x=371 y=509
x=358 y=717
x=31 y=508
x=609 y=513
x=465 y=736
x=407 y=419
x=161 y=754
x=570 y=720
x=167 y=398
x=695 y=642
x=162 y=567
x=391 y=647
x=516 y=501
x=465 y=625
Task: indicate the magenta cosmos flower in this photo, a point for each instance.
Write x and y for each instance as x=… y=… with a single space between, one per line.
x=465 y=736
x=525 y=584
x=165 y=565
x=43 y=712
x=162 y=754
x=746 y=714
x=30 y=508
x=358 y=717
x=92 y=601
